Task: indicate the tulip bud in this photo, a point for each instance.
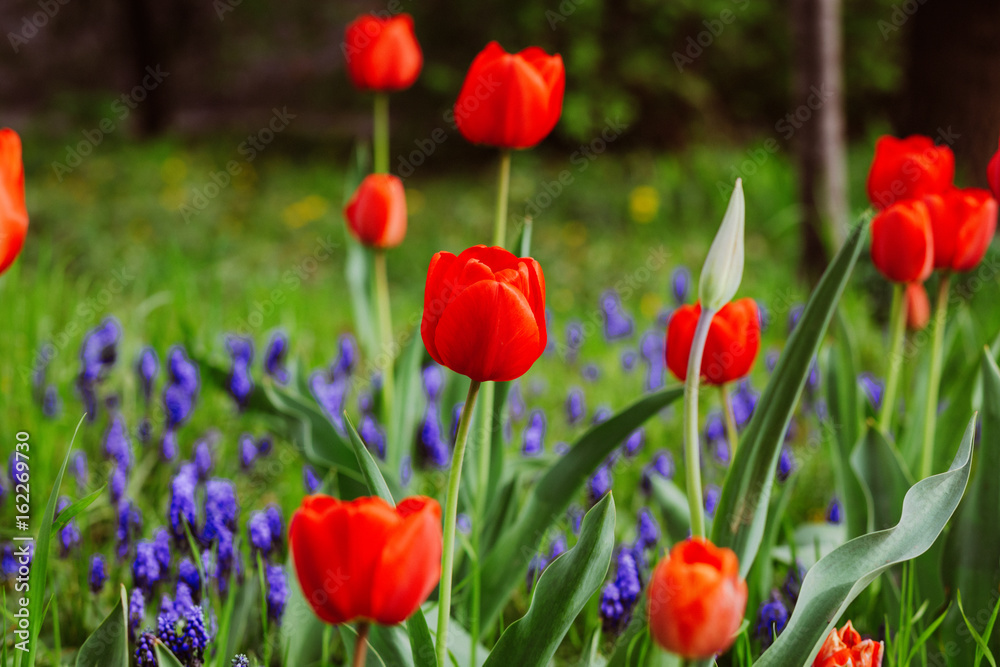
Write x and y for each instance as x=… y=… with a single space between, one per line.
x=902 y=242
x=696 y=599
x=13 y=214
x=993 y=174
x=963 y=222
x=845 y=647
x=723 y=268
x=376 y=214
x=731 y=346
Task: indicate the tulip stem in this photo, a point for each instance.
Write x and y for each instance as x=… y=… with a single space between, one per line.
x=450 y=517
x=897 y=332
x=692 y=457
x=385 y=326
x=361 y=646
x=727 y=411
x=380 y=133
x=934 y=382
x=482 y=482
x=503 y=193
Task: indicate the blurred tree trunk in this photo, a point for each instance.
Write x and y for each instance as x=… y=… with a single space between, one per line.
x=953 y=80
x=146 y=48
x=819 y=138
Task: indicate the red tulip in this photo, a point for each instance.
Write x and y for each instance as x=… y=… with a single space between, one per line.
x=963 y=223
x=907 y=169
x=993 y=174
x=730 y=349
x=484 y=313
x=845 y=648
x=13 y=213
x=382 y=53
x=364 y=559
x=511 y=100
x=918 y=307
x=376 y=214
x=903 y=243
x=696 y=599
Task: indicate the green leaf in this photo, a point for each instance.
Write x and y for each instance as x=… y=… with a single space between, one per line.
x=373 y=477
x=843 y=399
x=409 y=403
x=71 y=512
x=884 y=478
x=742 y=510
x=301 y=629
x=507 y=562
x=839 y=577
x=421 y=641
x=108 y=645
x=972 y=550
x=40 y=559
x=674 y=509
x=561 y=593
x=164 y=656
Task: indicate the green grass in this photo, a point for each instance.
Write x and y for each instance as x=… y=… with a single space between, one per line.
x=627 y=221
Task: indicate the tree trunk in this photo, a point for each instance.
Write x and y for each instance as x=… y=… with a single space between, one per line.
x=953 y=80
x=819 y=149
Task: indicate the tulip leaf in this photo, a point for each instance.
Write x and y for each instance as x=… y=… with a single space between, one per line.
x=972 y=549
x=840 y=576
x=107 y=646
x=884 y=478
x=742 y=510
x=164 y=656
x=40 y=558
x=507 y=562
x=563 y=589
x=421 y=643
x=842 y=398
x=408 y=404
x=674 y=509
x=301 y=630
x=369 y=469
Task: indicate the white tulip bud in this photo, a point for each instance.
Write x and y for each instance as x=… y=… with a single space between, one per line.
x=723 y=270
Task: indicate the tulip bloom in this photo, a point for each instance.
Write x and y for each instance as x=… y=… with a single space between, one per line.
x=730 y=349
x=13 y=213
x=484 y=313
x=903 y=242
x=376 y=214
x=963 y=223
x=696 y=599
x=364 y=560
x=907 y=169
x=845 y=647
x=918 y=307
x=993 y=174
x=511 y=100
x=382 y=53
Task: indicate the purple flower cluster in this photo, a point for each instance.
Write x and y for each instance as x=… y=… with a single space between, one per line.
x=275 y=357
x=98 y=355
x=240 y=382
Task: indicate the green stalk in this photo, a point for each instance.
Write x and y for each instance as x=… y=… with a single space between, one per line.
x=361 y=646
x=327 y=645
x=727 y=411
x=385 y=326
x=897 y=332
x=933 y=385
x=380 y=133
x=450 y=517
x=692 y=453
x=503 y=191
x=482 y=482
